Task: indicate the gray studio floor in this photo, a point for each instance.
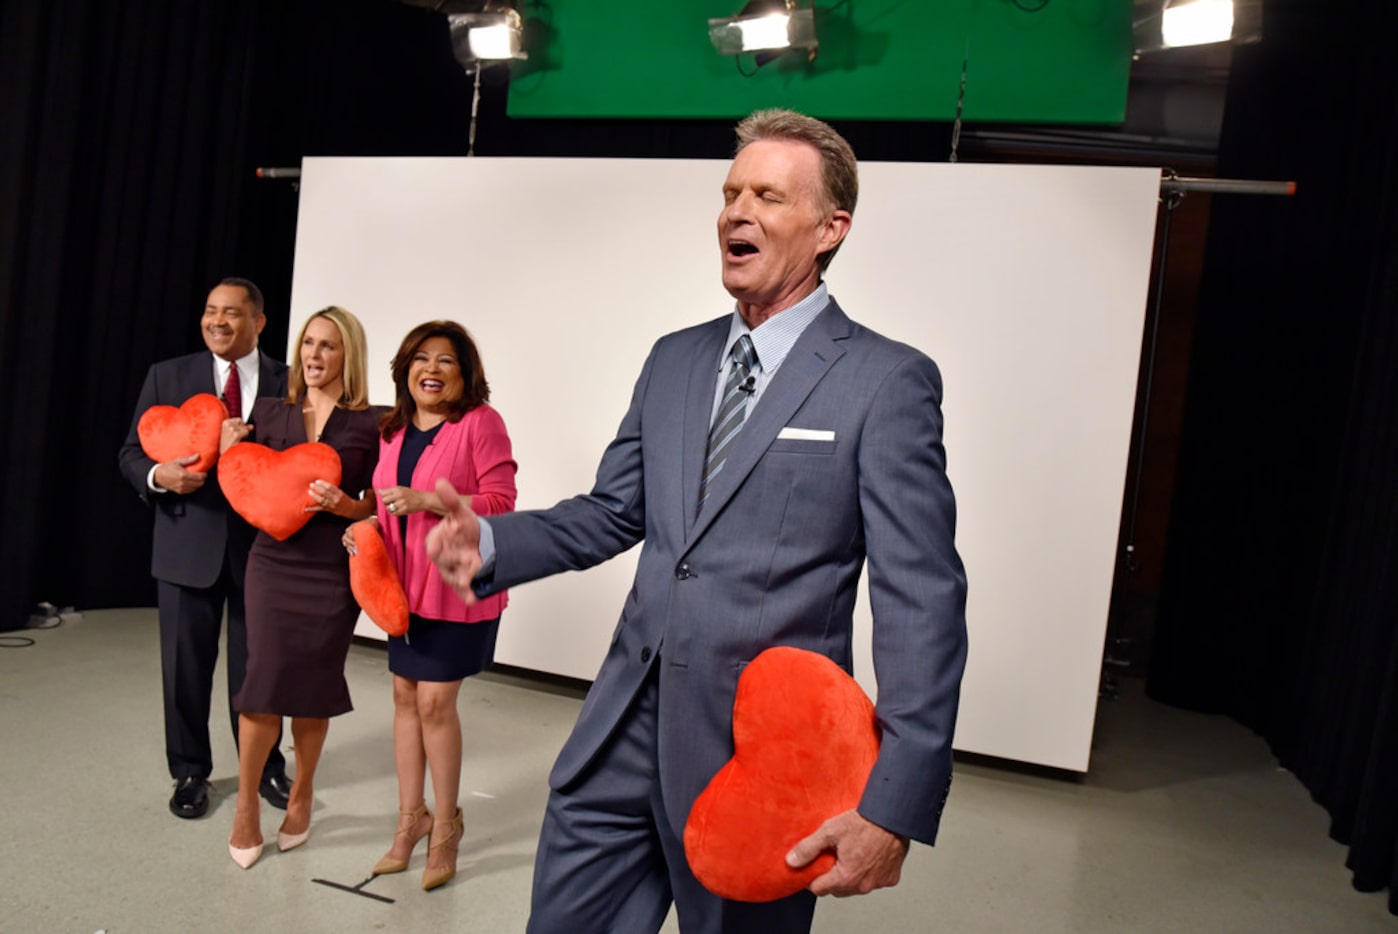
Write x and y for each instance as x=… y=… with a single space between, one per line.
x=1184 y=824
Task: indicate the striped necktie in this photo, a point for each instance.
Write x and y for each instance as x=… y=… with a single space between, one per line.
x=731 y=411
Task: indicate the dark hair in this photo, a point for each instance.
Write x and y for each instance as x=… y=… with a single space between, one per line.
x=247 y=285
x=475 y=392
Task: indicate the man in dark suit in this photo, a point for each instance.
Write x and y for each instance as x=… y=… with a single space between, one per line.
x=200 y=547
x=766 y=455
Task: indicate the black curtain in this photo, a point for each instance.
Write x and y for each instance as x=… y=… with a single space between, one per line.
x=131 y=135
x=118 y=204
x=1279 y=605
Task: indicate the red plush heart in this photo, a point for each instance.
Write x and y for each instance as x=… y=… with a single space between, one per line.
x=374 y=581
x=804 y=743
x=167 y=432
x=270 y=488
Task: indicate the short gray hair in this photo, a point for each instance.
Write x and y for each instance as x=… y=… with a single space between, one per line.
x=838 y=169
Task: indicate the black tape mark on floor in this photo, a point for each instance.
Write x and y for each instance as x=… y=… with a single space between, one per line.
x=355 y=889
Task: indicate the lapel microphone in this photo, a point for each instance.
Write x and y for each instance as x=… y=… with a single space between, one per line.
x=748 y=385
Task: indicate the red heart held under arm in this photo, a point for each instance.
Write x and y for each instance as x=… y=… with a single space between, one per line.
x=374 y=581
x=269 y=488
x=804 y=743
x=167 y=432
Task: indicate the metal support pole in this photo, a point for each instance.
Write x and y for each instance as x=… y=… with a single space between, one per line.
x=1173 y=189
x=475 y=105
x=1173 y=184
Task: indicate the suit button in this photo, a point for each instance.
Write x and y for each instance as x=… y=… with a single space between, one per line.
x=682 y=573
x=645 y=653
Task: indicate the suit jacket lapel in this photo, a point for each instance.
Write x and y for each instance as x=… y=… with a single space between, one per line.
x=699 y=404
x=200 y=375
x=267 y=376
x=816 y=350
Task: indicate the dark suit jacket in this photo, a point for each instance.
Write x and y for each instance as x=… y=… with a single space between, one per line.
x=193 y=531
x=775 y=558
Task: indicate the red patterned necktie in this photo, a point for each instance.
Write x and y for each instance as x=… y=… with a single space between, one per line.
x=233 y=393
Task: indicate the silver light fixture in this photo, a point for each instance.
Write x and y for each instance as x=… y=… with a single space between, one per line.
x=765 y=27
x=488 y=36
x=1173 y=24
x=1196 y=22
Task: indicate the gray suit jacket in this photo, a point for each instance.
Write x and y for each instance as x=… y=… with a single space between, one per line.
x=191 y=532
x=775 y=557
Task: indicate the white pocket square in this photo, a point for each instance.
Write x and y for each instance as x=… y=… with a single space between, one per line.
x=805 y=434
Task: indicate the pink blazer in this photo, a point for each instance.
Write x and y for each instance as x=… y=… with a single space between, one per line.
x=474 y=454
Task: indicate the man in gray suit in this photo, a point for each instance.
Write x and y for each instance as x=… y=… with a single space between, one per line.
x=200 y=546
x=765 y=457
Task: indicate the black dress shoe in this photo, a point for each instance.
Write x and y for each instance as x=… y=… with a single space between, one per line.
x=191 y=797
x=275 y=789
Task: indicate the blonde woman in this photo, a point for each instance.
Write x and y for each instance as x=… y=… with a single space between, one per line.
x=300 y=612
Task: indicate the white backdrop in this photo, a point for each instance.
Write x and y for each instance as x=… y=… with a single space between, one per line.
x=1027 y=284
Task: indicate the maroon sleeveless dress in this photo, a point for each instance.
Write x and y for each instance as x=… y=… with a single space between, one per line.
x=300 y=611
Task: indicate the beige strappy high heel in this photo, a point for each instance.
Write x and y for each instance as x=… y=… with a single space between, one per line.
x=408 y=822
x=432 y=878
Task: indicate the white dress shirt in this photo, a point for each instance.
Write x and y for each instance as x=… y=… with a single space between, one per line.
x=248 y=368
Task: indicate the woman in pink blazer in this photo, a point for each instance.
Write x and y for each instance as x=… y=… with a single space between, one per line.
x=440 y=426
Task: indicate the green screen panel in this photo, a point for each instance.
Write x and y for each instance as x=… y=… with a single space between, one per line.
x=1066 y=61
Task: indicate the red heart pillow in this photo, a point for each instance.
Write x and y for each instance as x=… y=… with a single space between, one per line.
x=270 y=488
x=167 y=432
x=374 y=581
x=804 y=743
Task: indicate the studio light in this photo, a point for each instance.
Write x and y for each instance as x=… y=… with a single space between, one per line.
x=1174 y=24
x=765 y=26
x=490 y=36
x=1196 y=22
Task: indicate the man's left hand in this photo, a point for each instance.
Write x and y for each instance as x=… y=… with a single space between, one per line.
x=867 y=857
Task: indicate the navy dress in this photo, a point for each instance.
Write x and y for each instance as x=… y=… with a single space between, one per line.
x=436 y=650
x=300 y=611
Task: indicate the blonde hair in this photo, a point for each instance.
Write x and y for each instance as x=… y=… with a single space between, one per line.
x=354 y=378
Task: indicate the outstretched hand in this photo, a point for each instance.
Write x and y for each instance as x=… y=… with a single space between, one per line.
x=867 y=857
x=454 y=545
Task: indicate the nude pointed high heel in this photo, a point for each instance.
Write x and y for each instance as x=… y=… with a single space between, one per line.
x=245 y=856
x=432 y=878
x=407 y=824
x=290 y=841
